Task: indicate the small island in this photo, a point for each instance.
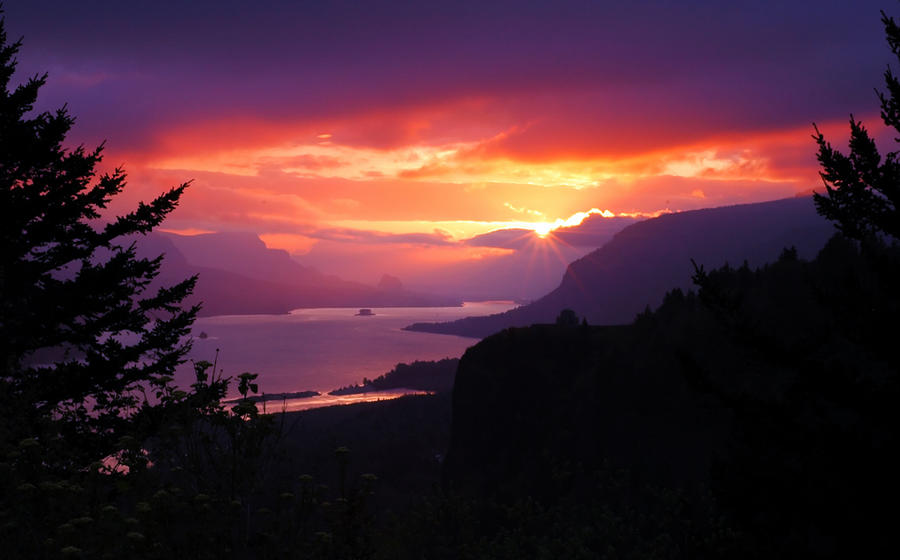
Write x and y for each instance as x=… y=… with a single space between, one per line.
x=365 y=313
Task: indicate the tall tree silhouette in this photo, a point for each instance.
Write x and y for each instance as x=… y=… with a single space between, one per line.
x=862 y=188
x=82 y=336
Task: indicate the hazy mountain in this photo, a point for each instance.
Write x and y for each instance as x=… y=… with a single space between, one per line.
x=531 y=268
x=245 y=253
x=513 y=263
x=390 y=283
x=633 y=270
x=593 y=231
x=238 y=274
x=520 y=275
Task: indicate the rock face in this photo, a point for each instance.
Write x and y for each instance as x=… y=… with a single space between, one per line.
x=636 y=268
x=530 y=402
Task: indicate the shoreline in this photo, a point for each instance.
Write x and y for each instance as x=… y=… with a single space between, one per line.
x=324 y=400
x=305 y=352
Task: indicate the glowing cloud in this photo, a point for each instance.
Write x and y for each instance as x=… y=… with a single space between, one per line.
x=544 y=228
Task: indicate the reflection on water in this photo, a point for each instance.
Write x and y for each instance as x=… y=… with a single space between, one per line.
x=291 y=405
x=323 y=349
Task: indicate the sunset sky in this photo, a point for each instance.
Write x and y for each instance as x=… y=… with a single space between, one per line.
x=373 y=128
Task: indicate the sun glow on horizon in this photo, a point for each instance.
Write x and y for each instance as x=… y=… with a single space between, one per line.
x=188 y=232
x=543 y=229
x=464 y=229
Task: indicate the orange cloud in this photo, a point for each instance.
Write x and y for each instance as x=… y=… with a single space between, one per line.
x=292 y=243
x=442 y=167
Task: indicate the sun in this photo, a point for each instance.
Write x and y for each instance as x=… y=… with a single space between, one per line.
x=543 y=229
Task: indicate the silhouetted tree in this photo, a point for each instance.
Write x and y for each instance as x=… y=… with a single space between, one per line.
x=567 y=318
x=83 y=339
x=863 y=188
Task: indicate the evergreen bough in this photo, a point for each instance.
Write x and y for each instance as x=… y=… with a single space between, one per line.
x=86 y=344
x=862 y=188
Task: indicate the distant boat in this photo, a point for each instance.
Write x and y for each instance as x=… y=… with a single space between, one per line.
x=364 y=313
x=203 y=335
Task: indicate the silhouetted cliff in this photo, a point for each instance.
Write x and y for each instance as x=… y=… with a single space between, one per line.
x=528 y=400
x=775 y=388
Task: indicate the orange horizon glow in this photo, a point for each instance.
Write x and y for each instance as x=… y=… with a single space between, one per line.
x=288 y=182
x=188 y=232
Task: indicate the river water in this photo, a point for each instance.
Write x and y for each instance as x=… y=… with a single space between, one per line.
x=323 y=349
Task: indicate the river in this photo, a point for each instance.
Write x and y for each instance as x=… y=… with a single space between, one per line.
x=323 y=349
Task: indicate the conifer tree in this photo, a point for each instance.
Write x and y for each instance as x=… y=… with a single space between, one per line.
x=83 y=337
x=863 y=188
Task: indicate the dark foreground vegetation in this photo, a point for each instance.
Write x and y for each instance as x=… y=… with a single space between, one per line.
x=419 y=375
x=267 y=397
x=752 y=417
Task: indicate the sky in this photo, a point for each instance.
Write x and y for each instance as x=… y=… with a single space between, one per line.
x=388 y=133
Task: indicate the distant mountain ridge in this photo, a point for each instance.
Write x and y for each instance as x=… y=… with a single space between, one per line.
x=238 y=274
x=640 y=263
x=246 y=254
x=503 y=264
